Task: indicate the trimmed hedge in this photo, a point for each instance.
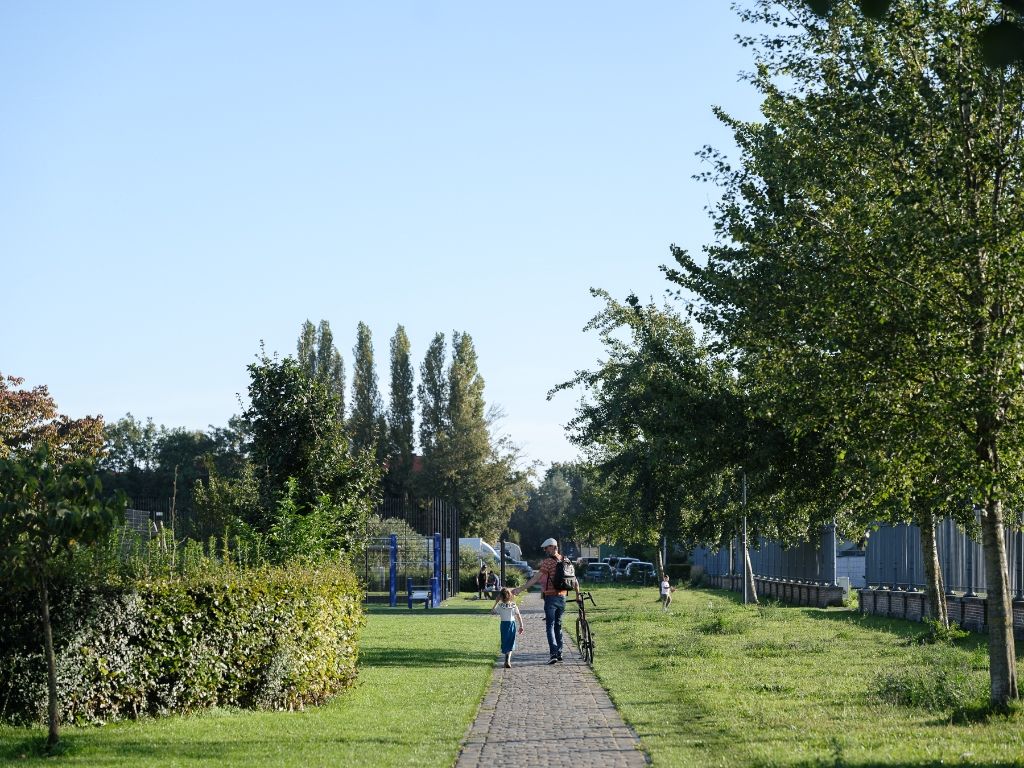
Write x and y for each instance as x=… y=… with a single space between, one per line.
x=270 y=638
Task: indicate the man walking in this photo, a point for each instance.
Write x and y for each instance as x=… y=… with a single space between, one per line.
x=554 y=599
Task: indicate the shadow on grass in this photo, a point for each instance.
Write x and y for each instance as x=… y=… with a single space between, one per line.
x=421 y=657
x=251 y=749
x=902 y=628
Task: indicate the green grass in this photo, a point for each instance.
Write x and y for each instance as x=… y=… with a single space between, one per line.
x=714 y=683
x=422 y=675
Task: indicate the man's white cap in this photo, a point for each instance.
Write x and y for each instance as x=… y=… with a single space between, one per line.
x=549 y=543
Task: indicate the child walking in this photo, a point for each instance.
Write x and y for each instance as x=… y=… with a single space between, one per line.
x=506 y=609
x=666 y=592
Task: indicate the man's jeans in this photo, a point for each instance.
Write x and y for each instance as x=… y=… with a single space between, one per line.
x=554 y=607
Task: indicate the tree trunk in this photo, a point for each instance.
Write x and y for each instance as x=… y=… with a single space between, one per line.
x=1001 y=651
x=751 y=588
x=934 y=588
x=660 y=562
x=51 y=666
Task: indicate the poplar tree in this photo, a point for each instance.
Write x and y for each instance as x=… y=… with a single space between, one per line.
x=466 y=466
x=433 y=395
x=400 y=415
x=320 y=360
x=367 y=426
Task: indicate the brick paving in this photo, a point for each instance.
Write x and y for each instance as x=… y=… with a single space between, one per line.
x=510 y=727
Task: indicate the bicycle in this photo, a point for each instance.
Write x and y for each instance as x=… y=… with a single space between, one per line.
x=584 y=637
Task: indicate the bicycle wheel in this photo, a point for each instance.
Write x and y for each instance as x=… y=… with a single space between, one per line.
x=586 y=643
x=579 y=634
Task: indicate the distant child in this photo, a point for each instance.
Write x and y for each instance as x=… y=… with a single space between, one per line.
x=505 y=608
x=666 y=592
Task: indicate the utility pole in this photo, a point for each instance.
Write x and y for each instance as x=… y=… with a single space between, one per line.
x=746 y=576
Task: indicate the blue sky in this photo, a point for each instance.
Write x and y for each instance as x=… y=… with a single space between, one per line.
x=183 y=180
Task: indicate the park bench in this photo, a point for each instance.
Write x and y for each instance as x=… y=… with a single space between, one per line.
x=418 y=592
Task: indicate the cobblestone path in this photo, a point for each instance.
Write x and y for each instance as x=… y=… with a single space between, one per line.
x=511 y=727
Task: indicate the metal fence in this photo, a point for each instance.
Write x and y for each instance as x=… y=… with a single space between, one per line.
x=813 y=561
x=428 y=519
x=894 y=559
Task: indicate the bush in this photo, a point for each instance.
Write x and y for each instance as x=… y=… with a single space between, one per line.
x=941 y=683
x=273 y=637
x=936 y=634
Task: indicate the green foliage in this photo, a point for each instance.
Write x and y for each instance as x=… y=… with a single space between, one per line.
x=863 y=276
x=400 y=417
x=320 y=360
x=553 y=507
x=151 y=463
x=941 y=683
x=300 y=459
x=938 y=634
x=433 y=396
x=422 y=675
x=273 y=637
x=48 y=509
x=462 y=461
x=366 y=425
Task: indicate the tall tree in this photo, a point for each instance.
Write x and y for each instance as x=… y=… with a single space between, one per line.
x=321 y=360
x=466 y=465
x=869 y=266
x=401 y=421
x=433 y=395
x=366 y=424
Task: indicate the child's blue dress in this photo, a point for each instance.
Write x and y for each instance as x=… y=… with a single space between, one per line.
x=508 y=626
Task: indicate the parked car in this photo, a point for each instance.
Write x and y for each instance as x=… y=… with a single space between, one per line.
x=619 y=571
x=582 y=563
x=598 y=572
x=640 y=571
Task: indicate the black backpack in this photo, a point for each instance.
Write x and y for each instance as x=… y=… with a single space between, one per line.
x=564 y=578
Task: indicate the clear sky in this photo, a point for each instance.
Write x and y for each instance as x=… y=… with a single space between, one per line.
x=183 y=180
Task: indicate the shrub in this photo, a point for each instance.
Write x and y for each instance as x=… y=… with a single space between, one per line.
x=937 y=634
x=274 y=637
x=941 y=683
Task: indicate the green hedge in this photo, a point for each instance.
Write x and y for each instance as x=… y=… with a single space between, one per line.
x=272 y=638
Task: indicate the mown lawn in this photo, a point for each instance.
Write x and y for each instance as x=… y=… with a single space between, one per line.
x=713 y=683
x=422 y=675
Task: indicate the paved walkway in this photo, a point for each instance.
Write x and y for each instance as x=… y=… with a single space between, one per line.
x=510 y=728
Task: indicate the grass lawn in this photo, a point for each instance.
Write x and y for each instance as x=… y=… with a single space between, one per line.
x=714 y=683
x=422 y=675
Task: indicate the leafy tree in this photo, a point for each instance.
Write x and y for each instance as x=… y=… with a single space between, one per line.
x=366 y=425
x=1001 y=41
x=464 y=464
x=552 y=507
x=301 y=457
x=129 y=445
x=163 y=465
x=401 y=421
x=321 y=360
x=433 y=395
x=48 y=508
x=867 y=269
x=28 y=417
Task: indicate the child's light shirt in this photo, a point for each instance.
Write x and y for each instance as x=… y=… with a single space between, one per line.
x=665 y=587
x=506 y=611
